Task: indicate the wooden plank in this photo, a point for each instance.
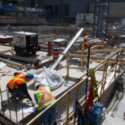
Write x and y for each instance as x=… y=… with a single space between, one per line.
x=82 y=68
x=96 y=59
x=101 y=50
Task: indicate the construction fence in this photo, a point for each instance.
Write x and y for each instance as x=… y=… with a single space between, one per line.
x=64 y=103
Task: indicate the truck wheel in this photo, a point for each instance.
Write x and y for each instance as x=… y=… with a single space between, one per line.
x=33 y=53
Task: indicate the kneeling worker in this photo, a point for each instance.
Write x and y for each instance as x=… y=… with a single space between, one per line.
x=44 y=97
x=17 y=85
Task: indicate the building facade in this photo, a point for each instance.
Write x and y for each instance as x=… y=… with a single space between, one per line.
x=62 y=8
x=65 y=8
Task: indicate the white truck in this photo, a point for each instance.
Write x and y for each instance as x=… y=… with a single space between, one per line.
x=25 y=43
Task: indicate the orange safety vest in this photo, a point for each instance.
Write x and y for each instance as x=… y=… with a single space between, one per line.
x=16 y=80
x=44 y=97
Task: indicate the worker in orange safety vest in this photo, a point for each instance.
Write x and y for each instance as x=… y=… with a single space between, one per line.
x=44 y=98
x=17 y=86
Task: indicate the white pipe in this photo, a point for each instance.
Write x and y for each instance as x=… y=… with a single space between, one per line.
x=67 y=48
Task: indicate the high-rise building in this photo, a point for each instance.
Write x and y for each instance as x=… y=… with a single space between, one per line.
x=65 y=8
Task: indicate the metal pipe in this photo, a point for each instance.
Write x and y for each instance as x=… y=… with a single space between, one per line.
x=67 y=48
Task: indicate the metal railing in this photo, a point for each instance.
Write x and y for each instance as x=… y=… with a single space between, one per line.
x=74 y=92
x=9 y=108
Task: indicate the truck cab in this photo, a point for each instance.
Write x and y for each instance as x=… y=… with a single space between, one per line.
x=25 y=43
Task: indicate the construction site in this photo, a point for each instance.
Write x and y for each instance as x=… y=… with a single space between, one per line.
x=81 y=59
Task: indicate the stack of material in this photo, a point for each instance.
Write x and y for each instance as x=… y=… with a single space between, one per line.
x=4 y=48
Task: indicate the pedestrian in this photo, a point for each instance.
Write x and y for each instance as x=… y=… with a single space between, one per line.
x=18 y=88
x=44 y=98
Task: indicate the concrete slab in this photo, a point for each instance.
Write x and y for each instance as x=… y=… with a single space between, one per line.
x=120 y=111
x=112 y=121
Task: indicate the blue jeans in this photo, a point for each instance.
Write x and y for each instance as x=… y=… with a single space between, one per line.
x=49 y=117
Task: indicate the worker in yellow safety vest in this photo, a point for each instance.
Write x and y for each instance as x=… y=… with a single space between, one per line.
x=84 y=42
x=44 y=98
x=84 y=46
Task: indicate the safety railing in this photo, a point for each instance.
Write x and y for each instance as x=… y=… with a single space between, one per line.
x=77 y=92
x=10 y=109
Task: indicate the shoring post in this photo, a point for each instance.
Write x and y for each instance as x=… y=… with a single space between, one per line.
x=67 y=114
x=76 y=96
x=82 y=58
x=116 y=65
x=104 y=78
x=67 y=65
x=88 y=59
x=120 y=55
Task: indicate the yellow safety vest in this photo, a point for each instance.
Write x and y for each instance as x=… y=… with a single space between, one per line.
x=44 y=97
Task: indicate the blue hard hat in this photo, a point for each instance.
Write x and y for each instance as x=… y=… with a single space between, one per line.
x=30 y=75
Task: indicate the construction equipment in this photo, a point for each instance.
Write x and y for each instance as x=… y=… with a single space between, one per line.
x=25 y=43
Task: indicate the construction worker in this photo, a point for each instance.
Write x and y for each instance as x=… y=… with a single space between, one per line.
x=105 y=43
x=44 y=97
x=17 y=86
x=84 y=42
x=83 y=47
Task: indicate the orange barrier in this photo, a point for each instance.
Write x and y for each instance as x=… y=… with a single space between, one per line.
x=49 y=48
x=55 y=54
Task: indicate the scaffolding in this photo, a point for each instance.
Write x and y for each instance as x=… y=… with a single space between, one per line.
x=101 y=14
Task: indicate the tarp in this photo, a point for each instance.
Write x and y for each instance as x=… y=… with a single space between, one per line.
x=48 y=77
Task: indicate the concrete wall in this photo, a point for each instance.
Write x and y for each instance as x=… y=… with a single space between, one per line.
x=117 y=9
x=79 y=6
